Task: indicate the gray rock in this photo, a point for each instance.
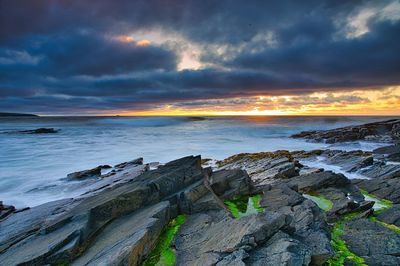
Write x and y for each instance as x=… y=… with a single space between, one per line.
x=281 y=249
x=280 y=196
x=205 y=237
x=266 y=168
x=127 y=240
x=58 y=232
x=380 y=170
x=6 y=210
x=138 y=161
x=315 y=181
x=391 y=215
x=234 y=259
x=382 y=188
x=228 y=183
x=387 y=149
x=306 y=222
x=94 y=172
x=372 y=241
x=383 y=131
x=349 y=161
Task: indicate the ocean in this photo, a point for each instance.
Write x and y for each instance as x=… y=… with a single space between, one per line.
x=33 y=167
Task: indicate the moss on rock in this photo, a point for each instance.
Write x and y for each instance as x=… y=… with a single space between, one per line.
x=244 y=205
x=163 y=254
x=322 y=202
x=342 y=252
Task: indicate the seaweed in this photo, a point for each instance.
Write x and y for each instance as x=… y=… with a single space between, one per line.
x=380 y=204
x=342 y=252
x=163 y=254
x=244 y=205
x=322 y=202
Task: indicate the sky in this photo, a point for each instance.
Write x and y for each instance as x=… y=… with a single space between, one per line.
x=226 y=57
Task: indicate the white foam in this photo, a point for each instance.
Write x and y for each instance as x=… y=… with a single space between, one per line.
x=318 y=162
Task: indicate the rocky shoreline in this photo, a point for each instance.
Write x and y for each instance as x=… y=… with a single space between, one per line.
x=269 y=208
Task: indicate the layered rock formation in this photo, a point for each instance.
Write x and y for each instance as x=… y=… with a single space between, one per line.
x=385 y=131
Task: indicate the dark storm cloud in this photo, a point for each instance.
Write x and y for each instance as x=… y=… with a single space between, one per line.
x=371 y=58
x=83 y=53
x=60 y=54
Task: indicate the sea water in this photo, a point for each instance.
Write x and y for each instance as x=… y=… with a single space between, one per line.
x=33 y=167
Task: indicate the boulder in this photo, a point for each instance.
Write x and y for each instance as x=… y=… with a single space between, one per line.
x=6 y=210
x=138 y=161
x=94 y=172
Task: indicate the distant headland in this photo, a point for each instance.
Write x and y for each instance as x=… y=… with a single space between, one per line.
x=17 y=115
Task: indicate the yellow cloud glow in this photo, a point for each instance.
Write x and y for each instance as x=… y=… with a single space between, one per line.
x=143 y=43
x=384 y=101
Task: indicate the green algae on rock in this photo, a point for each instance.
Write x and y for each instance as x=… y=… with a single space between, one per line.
x=322 y=202
x=380 y=204
x=244 y=205
x=163 y=254
x=342 y=252
x=392 y=227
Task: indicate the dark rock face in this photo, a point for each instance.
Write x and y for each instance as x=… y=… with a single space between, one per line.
x=373 y=242
x=349 y=161
x=40 y=131
x=306 y=222
x=205 y=238
x=88 y=173
x=385 y=131
x=2 y=114
x=5 y=210
x=391 y=216
x=392 y=153
x=281 y=249
x=316 y=181
x=382 y=188
x=137 y=161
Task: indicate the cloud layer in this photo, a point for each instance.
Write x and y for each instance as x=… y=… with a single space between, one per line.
x=59 y=56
